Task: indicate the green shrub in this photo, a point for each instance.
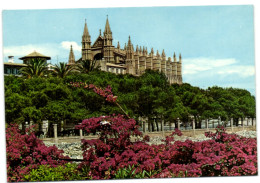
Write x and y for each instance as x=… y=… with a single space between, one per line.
x=59 y=173
x=130 y=173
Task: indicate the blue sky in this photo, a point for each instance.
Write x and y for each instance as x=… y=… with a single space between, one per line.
x=216 y=42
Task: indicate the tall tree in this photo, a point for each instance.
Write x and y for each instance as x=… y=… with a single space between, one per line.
x=86 y=66
x=61 y=70
x=36 y=68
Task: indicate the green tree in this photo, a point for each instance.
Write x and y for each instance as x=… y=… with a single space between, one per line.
x=236 y=103
x=62 y=70
x=149 y=95
x=36 y=68
x=14 y=105
x=152 y=95
x=86 y=66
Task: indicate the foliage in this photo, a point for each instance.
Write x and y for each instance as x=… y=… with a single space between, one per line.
x=148 y=96
x=129 y=173
x=114 y=155
x=61 y=70
x=102 y=154
x=106 y=93
x=60 y=173
x=86 y=66
x=36 y=68
x=25 y=152
x=234 y=102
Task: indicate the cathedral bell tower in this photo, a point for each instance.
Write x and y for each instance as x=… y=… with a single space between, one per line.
x=108 y=47
x=86 y=44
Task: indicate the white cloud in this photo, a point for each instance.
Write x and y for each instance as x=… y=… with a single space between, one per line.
x=66 y=45
x=45 y=49
x=205 y=72
x=196 y=65
x=225 y=66
x=243 y=71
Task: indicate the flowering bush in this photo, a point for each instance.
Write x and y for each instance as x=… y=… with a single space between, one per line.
x=26 y=152
x=236 y=155
x=114 y=138
x=224 y=155
x=114 y=155
x=106 y=93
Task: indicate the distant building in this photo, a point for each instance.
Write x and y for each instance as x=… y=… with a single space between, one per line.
x=26 y=59
x=126 y=60
x=12 y=68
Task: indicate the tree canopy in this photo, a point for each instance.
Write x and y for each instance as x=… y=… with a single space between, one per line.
x=36 y=68
x=149 y=96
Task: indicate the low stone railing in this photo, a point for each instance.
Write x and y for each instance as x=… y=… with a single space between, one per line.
x=189 y=133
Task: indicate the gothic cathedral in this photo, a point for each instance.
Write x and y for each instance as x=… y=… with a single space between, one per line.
x=127 y=60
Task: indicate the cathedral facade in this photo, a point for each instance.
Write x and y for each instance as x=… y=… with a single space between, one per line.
x=126 y=60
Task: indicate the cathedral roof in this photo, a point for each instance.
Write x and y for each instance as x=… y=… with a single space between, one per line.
x=120 y=52
x=98 y=41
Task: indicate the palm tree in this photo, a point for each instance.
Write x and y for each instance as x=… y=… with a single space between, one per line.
x=86 y=66
x=61 y=70
x=36 y=68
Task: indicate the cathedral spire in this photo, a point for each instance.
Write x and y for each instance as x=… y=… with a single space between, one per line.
x=163 y=54
x=152 y=52
x=107 y=27
x=71 y=56
x=86 y=33
x=129 y=41
x=180 y=58
x=137 y=49
x=108 y=35
x=174 y=57
x=86 y=44
x=158 y=54
x=118 y=45
x=86 y=36
x=129 y=44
